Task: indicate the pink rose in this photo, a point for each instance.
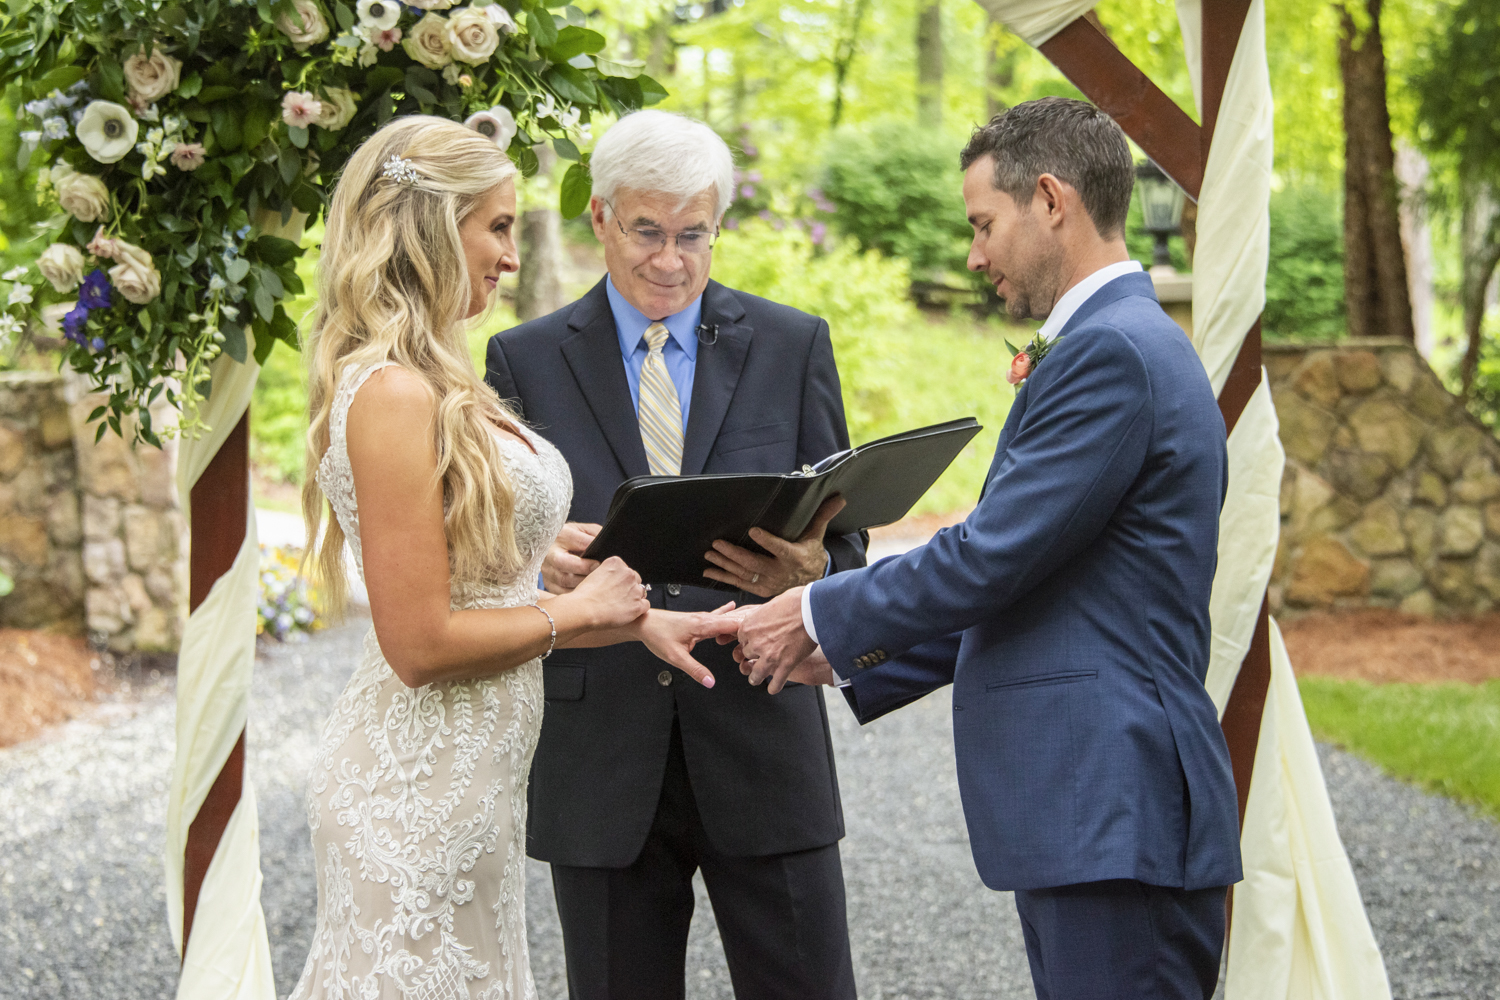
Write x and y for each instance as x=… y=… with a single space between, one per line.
x=387 y=38
x=1020 y=367
x=300 y=109
x=188 y=156
x=102 y=246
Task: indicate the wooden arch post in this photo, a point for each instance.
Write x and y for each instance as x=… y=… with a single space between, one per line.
x=1180 y=147
x=218 y=504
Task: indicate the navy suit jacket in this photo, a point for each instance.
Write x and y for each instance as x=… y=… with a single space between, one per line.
x=765 y=399
x=1070 y=614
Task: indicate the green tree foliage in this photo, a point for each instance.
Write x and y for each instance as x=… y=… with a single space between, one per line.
x=1305 y=275
x=896 y=188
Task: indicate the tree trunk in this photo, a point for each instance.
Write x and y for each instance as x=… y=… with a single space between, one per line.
x=539 y=288
x=843 y=58
x=1000 y=54
x=1412 y=170
x=930 y=65
x=1480 y=239
x=1375 y=289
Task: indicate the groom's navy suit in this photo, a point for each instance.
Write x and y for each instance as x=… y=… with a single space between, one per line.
x=640 y=777
x=1070 y=614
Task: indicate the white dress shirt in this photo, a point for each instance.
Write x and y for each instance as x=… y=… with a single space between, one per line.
x=1063 y=311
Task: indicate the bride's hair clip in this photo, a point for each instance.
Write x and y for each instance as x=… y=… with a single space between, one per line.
x=401 y=171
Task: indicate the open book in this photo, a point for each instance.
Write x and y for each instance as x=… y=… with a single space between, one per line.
x=662 y=525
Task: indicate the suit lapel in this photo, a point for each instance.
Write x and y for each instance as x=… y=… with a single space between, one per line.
x=592 y=351
x=1012 y=420
x=715 y=375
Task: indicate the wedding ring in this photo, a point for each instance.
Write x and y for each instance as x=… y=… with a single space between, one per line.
x=755 y=578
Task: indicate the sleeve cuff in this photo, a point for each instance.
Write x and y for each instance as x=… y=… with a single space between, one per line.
x=807 y=615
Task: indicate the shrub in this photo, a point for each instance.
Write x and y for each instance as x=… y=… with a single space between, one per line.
x=896 y=188
x=1305 y=276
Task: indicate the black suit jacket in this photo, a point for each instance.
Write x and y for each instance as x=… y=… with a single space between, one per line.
x=765 y=399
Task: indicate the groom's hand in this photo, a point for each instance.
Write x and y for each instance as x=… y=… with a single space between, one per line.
x=563 y=567
x=773 y=641
x=790 y=564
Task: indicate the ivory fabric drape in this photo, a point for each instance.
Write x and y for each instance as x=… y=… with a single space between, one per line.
x=1299 y=929
x=228 y=955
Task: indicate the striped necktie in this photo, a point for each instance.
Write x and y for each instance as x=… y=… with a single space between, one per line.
x=660 y=409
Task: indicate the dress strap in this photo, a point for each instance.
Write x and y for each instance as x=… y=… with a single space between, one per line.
x=349 y=385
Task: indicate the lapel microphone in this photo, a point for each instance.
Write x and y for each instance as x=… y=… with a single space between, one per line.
x=708 y=333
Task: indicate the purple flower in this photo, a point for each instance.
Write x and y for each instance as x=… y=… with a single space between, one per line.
x=97 y=343
x=753 y=176
x=819 y=233
x=738 y=176
x=765 y=213
x=95 y=292
x=749 y=150
x=731 y=223
x=74 y=320
x=747 y=191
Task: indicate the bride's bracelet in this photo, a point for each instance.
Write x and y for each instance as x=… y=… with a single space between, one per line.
x=553 y=643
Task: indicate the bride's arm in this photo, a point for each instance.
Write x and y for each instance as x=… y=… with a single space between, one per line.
x=671 y=635
x=393 y=456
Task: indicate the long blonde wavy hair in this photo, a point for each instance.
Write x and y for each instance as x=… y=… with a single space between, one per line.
x=393 y=286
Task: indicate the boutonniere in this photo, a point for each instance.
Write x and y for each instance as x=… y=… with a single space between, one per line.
x=1023 y=360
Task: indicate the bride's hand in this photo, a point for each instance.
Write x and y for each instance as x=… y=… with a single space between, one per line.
x=614 y=593
x=671 y=635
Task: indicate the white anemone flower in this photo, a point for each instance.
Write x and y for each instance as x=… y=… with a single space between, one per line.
x=497 y=124
x=107 y=131
x=379 y=14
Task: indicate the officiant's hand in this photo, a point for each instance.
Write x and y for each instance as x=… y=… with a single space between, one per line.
x=563 y=567
x=790 y=564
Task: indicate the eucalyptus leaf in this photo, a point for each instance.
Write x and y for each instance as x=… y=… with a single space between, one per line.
x=234 y=341
x=189 y=86
x=566 y=149
x=264 y=303
x=298 y=136
x=236 y=270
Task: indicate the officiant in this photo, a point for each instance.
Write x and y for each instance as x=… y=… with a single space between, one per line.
x=640 y=779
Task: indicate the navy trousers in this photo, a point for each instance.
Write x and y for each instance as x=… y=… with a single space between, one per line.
x=1123 y=940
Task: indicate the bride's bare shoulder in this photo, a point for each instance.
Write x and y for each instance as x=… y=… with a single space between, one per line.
x=393 y=403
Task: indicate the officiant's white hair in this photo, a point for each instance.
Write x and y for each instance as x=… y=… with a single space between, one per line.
x=660 y=151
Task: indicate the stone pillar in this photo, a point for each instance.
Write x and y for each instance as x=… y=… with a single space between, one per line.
x=39 y=517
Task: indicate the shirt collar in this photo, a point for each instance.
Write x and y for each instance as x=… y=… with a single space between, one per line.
x=1081 y=293
x=631 y=323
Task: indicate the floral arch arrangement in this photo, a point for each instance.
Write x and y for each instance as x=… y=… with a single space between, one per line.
x=178 y=134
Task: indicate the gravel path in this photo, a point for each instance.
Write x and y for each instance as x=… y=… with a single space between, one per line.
x=82 y=914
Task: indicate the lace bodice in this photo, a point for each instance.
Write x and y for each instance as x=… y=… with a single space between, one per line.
x=542 y=483
x=417 y=797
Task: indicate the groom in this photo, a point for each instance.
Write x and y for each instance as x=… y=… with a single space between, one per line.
x=1070 y=611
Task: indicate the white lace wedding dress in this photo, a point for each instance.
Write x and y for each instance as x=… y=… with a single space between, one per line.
x=417 y=799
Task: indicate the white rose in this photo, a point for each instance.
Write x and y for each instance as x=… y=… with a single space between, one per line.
x=107 y=131
x=428 y=42
x=83 y=196
x=61 y=264
x=472 y=35
x=135 y=275
x=314 y=27
x=338 y=106
x=151 y=78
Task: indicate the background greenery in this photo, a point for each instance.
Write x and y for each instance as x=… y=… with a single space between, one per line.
x=1444 y=737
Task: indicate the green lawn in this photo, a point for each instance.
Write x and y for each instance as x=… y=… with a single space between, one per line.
x=1443 y=737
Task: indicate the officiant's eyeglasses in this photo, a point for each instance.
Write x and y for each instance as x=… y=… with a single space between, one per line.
x=689 y=241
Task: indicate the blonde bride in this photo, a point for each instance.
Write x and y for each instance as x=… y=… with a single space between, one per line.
x=417 y=798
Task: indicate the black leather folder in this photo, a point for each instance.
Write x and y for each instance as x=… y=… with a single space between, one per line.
x=662 y=525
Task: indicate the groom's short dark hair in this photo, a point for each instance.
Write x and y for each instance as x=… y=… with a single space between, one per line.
x=1071 y=140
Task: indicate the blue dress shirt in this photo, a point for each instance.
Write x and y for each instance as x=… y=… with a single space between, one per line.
x=680 y=351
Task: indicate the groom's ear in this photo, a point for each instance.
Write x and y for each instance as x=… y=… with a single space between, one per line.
x=1051 y=199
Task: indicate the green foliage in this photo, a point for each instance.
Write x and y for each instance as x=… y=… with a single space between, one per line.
x=899 y=369
x=271 y=99
x=6 y=585
x=1444 y=737
x=1458 y=83
x=897 y=189
x=278 y=418
x=1305 y=276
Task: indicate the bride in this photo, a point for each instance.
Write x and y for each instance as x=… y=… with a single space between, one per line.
x=417 y=798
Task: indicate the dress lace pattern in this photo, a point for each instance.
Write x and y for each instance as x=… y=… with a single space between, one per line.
x=417 y=798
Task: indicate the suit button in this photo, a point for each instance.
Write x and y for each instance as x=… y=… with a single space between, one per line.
x=674 y=589
x=664 y=678
x=879 y=656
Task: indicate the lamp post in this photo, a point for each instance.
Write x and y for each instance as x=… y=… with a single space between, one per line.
x=1161 y=210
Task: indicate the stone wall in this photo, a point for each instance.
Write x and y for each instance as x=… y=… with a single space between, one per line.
x=1391 y=496
x=115 y=566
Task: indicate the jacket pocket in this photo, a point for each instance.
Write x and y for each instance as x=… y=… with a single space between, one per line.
x=562 y=682
x=751 y=437
x=1043 y=680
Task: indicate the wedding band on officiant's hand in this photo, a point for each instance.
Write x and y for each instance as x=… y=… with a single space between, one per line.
x=754 y=578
